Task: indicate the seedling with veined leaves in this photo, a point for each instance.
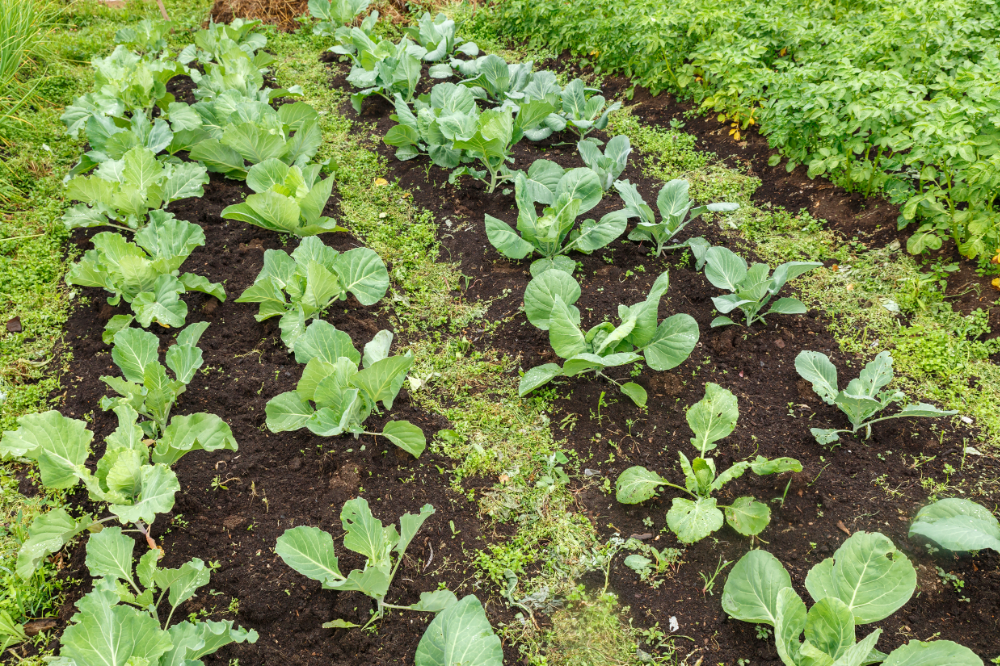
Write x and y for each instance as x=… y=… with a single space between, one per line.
x=212 y=42
x=565 y=195
x=146 y=274
x=585 y=114
x=609 y=163
x=344 y=396
x=335 y=15
x=675 y=214
x=118 y=622
x=863 y=398
x=752 y=288
x=958 y=524
x=548 y=304
x=865 y=581
x=382 y=68
x=711 y=419
x=438 y=120
x=300 y=287
x=147 y=37
x=459 y=634
x=437 y=35
x=286 y=199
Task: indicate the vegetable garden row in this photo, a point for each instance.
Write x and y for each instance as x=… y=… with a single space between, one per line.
x=152 y=157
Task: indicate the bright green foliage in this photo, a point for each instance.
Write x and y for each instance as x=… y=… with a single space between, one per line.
x=865 y=581
x=585 y=114
x=958 y=524
x=146 y=273
x=548 y=303
x=254 y=132
x=310 y=551
x=382 y=69
x=125 y=83
x=237 y=72
x=864 y=396
x=711 y=418
x=565 y=195
x=460 y=634
x=752 y=289
x=492 y=78
x=117 y=623
x=675 y=214
x=446 y=116
x=335 y=15
x=122 y=192
x=211 y=43
x=344 y=396
x=437 y=35
x=610 y=163
x=109 y=141
x=287 y=199
x=313 y=278
x=134 y=482
x=147 y=37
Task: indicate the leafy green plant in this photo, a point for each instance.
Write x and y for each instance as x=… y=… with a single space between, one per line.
x=335 y=15
x=490 y=77
x=493 y=138
x=863 y=398
x=237 y=72
x=122 y=192
x=118 y=621
x=447 y=115
x=610 y=163
x=752 y=289
x=109 y=141
x=312 y=279
x=437 y=35
x=675 y=214
x=147 y=36
x=344 y=396
x=711 y=419
x=146 y=273
x=382 y=69
x=566 y=195
x=211 y=43
x=255 y=133
x=460 y=634
x=548 y=304
x=584 y=114
x=286 y=199
x=958 y=524
x=865 y=581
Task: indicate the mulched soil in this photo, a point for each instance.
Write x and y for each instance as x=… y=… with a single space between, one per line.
x=277 y=481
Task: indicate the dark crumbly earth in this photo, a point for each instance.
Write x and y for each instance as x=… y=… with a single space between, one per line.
x=234 y=505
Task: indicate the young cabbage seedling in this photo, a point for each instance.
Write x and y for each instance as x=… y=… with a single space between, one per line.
x=711 y=418
x=585 y=114
x=437 y=35
x=675 y=214
x=313 y=278
x=491 y=78
x=865 y=581
x=344 y=396
x=146 y=274
x=447 y=115
x=212 y=42
x=958 y=524
x=382 y=69
x=548 y=304
x=119 y=623
x=335 y=15
x=287 y=199
x=566 y=195
x=863 y=398
x=610 y=163
x=752 y=289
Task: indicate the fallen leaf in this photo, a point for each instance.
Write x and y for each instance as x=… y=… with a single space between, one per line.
x=504 y=478
x=34 y=627
x=14 y=325
x=843 y=528
x=381 y=182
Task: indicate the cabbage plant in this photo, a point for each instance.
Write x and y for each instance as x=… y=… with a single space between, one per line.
x=752 y=288
x=437 y=35
x=548 y=304
x=109 y=141
x=211 y=43
x=492 y=78
x=118 y=622
x=122 y=192
x=446 y=116
x=676 y=213
x=238 y=72
x=609 y=163
x=300 y=287
x=566 y=195
x=584 y=114
x=344 y=396
x=286 y=199
x=958 y=524
x=335 y=15
x=382 y=68
x=148 y=37
x=864 y=396
x=712 y=418
x=865 y=581
x=146 y=274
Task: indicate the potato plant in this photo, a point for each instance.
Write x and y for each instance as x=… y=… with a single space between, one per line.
x=711 y=419
x=865 y=581
x=548 y=304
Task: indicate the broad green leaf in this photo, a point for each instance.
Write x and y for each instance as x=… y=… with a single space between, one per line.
x=219 y=158
x=958 y=524
x=693 y=521
x=159 y=485
x=406 y=436
x=925 y=410
x=194 y=432
x=184 y=181
x=724 y=268
x=789 y=271
x=435 y=602
x=409 y=525
x=538 y=376
x=565 y=336
x=560 y=262
x=868 y=574
x=377 y=349
x=713 y=417
x=787 y=306
x=751 y=591
x=309 y=550
x=104 y=634
x=322 y=340
x=595 y=235
x=673 y=342
x=134 y=350
x=184 y=361
x=816 y=368
x=539 y=296
x=637 y=484
x=201 y=284
x=365 y=534
x=635 y=392
x=830 y=627
x=460 y=634
x=183 y=582
x=109 y=553
x=505 y=239
x=761 y=466
x=582 y=184
x=789 y=623
x=362 y=273
x=59 y=445
x=287 y=411
x=748 y=516
x=933 y=653
x=47 y=534
x=863 y=652
x=193 y=641
x=381 y=381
